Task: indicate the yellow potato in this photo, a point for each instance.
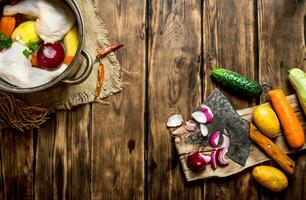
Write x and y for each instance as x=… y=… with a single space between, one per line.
x=266 y=121
x=71 y=41
x=271 y=178
x=26 y=33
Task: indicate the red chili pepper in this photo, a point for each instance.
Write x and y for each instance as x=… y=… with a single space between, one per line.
x=102 y=53
x=100 y=80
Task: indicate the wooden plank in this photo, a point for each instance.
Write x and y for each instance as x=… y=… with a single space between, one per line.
x=174 y=87
x=229 y=42
x=51 y=159
x=78 y=153
x=256 y=155
x=281 y=41
x=62 y=157
x=281 y=46
x=17 y=164
x=118 y=129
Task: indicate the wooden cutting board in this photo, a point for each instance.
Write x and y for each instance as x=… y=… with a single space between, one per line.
x=256 y=155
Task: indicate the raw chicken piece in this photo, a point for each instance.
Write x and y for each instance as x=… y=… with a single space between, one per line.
x=26 y=7
x=17 y=70
x=55 y=19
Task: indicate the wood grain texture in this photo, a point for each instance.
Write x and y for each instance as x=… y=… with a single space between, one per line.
x=17 y=164
x=51 y=159
x=229 y=42
x=174 y=87
x=281 y=31
x=62 y=156
x=118 y=128
x=281 y=41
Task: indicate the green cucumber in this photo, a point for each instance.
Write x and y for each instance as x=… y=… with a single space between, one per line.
x=236 y=82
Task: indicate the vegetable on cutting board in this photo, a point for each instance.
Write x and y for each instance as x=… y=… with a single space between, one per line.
x=271 y=178
x=236 y=82
x=266 y=120
x=293 y=129
x=26 y=33
x=297 y=78
x=7 y=25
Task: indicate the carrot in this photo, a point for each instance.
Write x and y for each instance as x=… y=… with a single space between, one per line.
x=293 y=129
x=7 y=25
x=68 y=60
x=34 y=60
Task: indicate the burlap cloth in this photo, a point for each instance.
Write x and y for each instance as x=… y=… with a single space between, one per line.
x=64 y=96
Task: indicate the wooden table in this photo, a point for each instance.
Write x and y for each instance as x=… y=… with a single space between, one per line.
x=123 y=150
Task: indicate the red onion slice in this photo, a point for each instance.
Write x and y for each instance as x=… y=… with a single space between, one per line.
x=213 y=160
x=226 y=140
x=214 y=139
x=221 y=156
x=190 y=126
x=195 y=161
x=206 y=158
x=204 y=130
x=175 y=121
x=199 y=117
x=208 y=113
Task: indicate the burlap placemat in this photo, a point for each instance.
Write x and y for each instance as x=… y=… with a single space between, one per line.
x=64 y=96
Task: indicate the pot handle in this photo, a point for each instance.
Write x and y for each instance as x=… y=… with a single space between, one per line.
x=85 y=74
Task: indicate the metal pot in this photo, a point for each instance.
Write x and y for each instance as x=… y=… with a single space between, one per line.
x=71 y=69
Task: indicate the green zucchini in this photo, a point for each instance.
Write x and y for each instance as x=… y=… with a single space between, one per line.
x=297 y=78
x=236 y=82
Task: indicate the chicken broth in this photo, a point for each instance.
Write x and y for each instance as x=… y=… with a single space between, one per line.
x=38 y=40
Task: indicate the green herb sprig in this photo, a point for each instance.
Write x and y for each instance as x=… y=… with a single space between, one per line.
x=5 y=42
x=31 y=48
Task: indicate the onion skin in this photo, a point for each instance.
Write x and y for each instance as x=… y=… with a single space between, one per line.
x=195 y=161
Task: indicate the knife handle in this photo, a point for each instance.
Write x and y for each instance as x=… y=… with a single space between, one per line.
x=272 y=150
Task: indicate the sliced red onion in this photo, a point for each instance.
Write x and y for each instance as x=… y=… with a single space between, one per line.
x=214 y=139
x=221 y=156
x=204 y=130
x=206 y=158
x=199 y=117
x=213 y=160
x=190 y=126
x=195 y=161
x=208 y=113
x=226 y=140
x=175 y=121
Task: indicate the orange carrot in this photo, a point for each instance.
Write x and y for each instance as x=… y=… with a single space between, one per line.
x=7 y=25
x=34 y=60
x=68 y=60
x=292 y=127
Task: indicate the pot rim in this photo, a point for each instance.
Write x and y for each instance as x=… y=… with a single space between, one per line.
x=80 y=24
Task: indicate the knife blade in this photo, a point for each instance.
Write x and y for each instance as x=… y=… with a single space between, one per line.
x=272 y=150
